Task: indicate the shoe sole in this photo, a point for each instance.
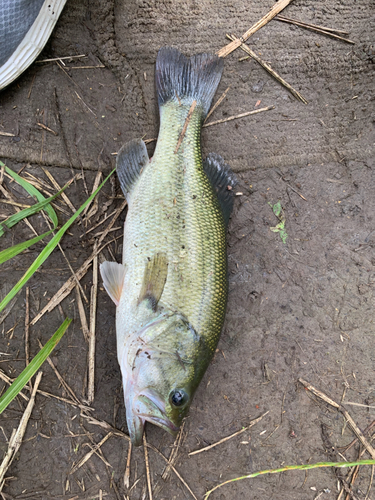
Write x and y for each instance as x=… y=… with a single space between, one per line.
x=33 y=42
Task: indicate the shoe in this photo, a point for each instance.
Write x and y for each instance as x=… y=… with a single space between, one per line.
x=25 y=26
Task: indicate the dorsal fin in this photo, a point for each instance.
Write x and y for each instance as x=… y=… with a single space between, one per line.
x=131 y=160
x=154 y=280
x=223 y=180
x=113 y=275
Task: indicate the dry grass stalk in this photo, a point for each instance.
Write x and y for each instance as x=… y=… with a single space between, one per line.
x=242 y=115
x=89 y=213
x=268 y=68
x=277 y=7
x=319 y=29
x=44 y=127
x=371 y=479
x=61 y=380
x=342 y=410
x=149 y=486
x=9 y=380
x=7 y=134
x=184 y=128
x=85 y=67
x=17 y=435
x=174 y=470
x=106 y=217
x=90 y=453
x=27 y=325
x=355 y=440
x=60 y=58
x=70 y=284
x=253 y=422
x=67 y=261
x=127 y=468
x=82 y=315
x=57 y=186
x=174 y=454
x=217 y=103
x=93 y=302
x=117 y=432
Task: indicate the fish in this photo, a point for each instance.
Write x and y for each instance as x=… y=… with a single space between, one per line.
x=171 y=288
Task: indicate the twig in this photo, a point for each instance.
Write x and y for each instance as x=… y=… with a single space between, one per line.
x=217 y=103
x=147 y=467
x=318 y=29
x=93 y=301
x=242 y=115
x=184 y=128
x=253 y=422
x=90 y=453
x=342 y=410
x=277 y=7
x=127 y=468
x=268 y=68
x=17 y=435
x=7 y=134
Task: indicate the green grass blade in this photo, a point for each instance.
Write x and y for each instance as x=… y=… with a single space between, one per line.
x=293 y=467
x=17 y=217
x=51 y=245
x=11 y=252
x=33 y=367
x=32 y=191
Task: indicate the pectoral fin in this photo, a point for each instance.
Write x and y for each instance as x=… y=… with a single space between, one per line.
x=113 y=279
x=154 y=280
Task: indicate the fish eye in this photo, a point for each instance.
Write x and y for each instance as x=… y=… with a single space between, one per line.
x=178 y=397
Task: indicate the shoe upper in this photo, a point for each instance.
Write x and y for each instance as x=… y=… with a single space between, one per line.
x=16 y=18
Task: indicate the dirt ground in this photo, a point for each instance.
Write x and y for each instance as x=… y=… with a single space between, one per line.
x=303 y=309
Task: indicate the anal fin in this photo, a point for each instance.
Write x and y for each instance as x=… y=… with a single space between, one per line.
x=223 y=180
x=113 y=275
x=154 y=280
x=131 y=159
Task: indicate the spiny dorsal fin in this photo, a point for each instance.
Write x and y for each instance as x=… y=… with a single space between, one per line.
x=154 y=280
x=113 y=278
x=178 y=77
x=221 y=177
x=131 y=159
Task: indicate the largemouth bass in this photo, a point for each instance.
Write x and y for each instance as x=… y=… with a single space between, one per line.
x=171 y=288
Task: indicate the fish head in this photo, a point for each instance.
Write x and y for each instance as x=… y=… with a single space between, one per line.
x=163 y=374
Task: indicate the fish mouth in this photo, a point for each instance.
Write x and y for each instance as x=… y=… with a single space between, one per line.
x=146 y=406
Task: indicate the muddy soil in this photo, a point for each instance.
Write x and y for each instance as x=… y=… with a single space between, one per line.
x=299 y=309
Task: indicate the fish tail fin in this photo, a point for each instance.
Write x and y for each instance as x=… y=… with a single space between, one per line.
x=182 y=79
